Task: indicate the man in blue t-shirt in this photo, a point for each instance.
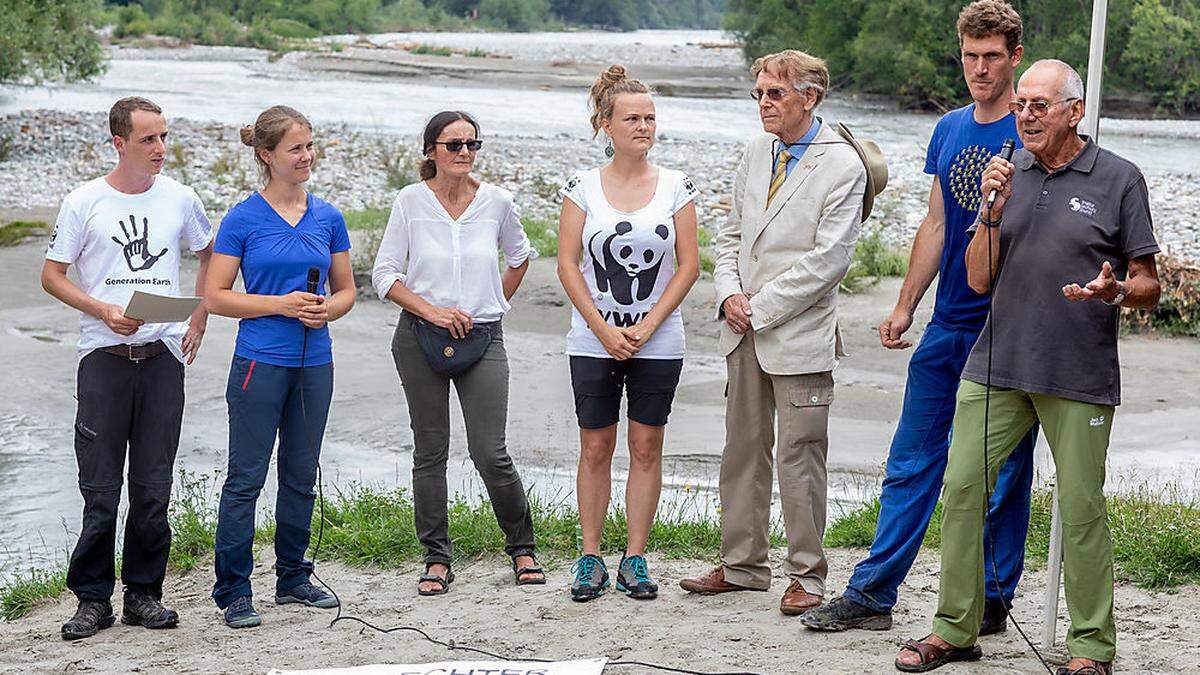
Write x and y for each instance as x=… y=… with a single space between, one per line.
x=963 y=142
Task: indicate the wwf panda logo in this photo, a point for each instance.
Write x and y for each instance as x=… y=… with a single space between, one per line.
x=624 y=268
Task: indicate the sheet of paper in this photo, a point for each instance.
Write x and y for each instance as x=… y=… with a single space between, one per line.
x=153 y=308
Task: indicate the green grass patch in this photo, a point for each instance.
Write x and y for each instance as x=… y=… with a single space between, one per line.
x=27 y=589
x=370 y=218
x=18 y=231
x=873 y=260
x=1178 y=310
x=1156 y=539
x=432 y=50
x=543 y=236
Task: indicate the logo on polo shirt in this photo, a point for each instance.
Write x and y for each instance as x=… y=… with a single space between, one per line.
x=1082 y=206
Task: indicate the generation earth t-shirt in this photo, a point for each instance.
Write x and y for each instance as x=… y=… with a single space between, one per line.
x=121 y=243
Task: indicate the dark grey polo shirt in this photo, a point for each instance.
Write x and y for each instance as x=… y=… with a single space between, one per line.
x=1059 y=227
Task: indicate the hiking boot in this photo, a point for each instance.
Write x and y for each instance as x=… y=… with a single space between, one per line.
x=591 y=578
x=89 y=619
x=307 y=594
x=241 y=614
x=145 y=610
x=843 y=614
x=995 y=618
x=633 y=578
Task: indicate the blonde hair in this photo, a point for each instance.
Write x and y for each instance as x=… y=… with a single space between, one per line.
x=268 y=130
x=804 y=70
x=612 y=83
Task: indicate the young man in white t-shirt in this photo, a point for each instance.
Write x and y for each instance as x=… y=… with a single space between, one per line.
x=122 y=232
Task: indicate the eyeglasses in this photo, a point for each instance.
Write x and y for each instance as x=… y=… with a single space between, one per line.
x=772 y=93
x=456 y=145
x=1036 y=108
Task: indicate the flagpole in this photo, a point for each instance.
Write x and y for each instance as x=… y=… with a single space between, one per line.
x=1090 y=126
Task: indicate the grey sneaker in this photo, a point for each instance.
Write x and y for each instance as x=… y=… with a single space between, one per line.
x=843 y=614
x=307 y=594
x=241 y=614
x=89 y=619
x=633 y=578
x=591 y=578
x=145 y=610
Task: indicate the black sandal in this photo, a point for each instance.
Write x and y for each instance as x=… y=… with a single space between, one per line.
x=443 y=581
x=528 y=569
x=933 y=656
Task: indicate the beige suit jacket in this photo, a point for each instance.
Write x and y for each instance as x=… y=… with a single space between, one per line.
x=789 y=258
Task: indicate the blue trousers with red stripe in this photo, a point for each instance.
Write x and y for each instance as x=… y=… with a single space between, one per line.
x=915 y=466
x=265 y=402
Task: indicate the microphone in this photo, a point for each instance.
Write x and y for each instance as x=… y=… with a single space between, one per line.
x=1006 y=153
x=314 y=274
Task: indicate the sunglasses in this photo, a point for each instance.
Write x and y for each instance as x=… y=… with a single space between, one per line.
x=456 y=145
x=1036 y=108
x=772 y=93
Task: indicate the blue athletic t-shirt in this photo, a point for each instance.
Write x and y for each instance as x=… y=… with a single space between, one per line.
x=276 y=258
x=958 y=152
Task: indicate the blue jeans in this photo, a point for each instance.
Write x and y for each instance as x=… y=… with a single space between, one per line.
x=915 y=465
x=264 y=401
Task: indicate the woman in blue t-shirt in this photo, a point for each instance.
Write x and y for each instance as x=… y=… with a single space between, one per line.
x=281 y=380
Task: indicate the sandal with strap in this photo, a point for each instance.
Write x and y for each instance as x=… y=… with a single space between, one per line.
x=1093 y=668
x=529 y=569
x=933 y=656
x=443 y=581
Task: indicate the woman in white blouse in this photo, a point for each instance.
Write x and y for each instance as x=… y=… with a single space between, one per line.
x=437 y=261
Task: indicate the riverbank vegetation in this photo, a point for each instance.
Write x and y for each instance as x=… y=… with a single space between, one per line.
x=908 y=49
x=1156 y=534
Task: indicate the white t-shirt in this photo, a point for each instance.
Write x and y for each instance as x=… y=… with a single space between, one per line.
x=452 y=262
x=628 y=260
x=121 y=243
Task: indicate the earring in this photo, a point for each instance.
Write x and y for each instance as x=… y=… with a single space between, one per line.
x=608 y=150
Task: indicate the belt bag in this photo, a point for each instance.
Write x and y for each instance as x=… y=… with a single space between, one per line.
x=448 y=355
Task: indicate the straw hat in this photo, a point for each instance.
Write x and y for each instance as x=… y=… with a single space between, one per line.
x=872 y=158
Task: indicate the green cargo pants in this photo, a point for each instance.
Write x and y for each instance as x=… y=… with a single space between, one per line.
x=1078 y=435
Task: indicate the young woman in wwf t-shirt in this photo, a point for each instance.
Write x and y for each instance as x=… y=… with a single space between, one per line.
x=627 y=256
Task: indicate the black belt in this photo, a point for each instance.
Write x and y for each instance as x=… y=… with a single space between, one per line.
x=137 y=353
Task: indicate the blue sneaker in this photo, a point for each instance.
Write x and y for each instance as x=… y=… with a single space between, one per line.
x=591 y=578
x=307 y=594
x=633 y=578
x=241 y=614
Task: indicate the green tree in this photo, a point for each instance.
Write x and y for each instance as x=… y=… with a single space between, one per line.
x=1164 y=53
x=46 y=40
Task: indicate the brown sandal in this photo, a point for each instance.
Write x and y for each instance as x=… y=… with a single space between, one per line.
x=1093 y=668
x=933 y=656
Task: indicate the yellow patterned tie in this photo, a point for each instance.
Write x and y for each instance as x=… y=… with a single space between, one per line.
x=779 y=174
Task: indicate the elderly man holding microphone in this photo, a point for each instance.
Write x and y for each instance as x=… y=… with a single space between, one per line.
x=1066 y=243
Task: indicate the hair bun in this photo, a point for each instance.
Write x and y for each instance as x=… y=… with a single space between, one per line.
x=247 y=135
x=615 y=73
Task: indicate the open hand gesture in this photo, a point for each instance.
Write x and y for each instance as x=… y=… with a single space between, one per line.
x=1104 y=287
x=137 y=247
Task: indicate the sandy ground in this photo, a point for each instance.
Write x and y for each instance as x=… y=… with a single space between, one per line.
x=1155 y=436
x=739 y=631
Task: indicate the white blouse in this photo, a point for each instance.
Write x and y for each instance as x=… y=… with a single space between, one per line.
x=452 y=262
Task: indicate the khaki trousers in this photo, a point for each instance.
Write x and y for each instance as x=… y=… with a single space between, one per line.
x=802 y=404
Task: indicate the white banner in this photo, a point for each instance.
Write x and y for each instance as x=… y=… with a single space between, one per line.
x=588 y=667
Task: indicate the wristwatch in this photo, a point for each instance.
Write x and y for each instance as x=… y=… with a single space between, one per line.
x=1118 y=298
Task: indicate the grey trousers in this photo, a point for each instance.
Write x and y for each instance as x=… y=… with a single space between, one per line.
x=483 y=395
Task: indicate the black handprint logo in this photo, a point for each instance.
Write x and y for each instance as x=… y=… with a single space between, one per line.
x=137 y=248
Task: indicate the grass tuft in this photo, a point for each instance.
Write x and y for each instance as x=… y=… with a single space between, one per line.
x=18 y=231
x=28 y=589
x=873 y=260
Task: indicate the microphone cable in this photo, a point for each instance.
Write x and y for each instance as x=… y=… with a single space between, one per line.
x=987 y=400
x=448 y=644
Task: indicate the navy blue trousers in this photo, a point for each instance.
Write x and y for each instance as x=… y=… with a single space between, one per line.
x=264 y=401
x=915 y=465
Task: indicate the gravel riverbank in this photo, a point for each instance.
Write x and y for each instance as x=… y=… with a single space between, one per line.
x=50 y=152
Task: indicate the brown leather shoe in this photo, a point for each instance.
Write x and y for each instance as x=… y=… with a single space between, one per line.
x=711 y=582
x=797 y=601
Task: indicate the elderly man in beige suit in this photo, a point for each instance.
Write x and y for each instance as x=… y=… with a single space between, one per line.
x=797 y=205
